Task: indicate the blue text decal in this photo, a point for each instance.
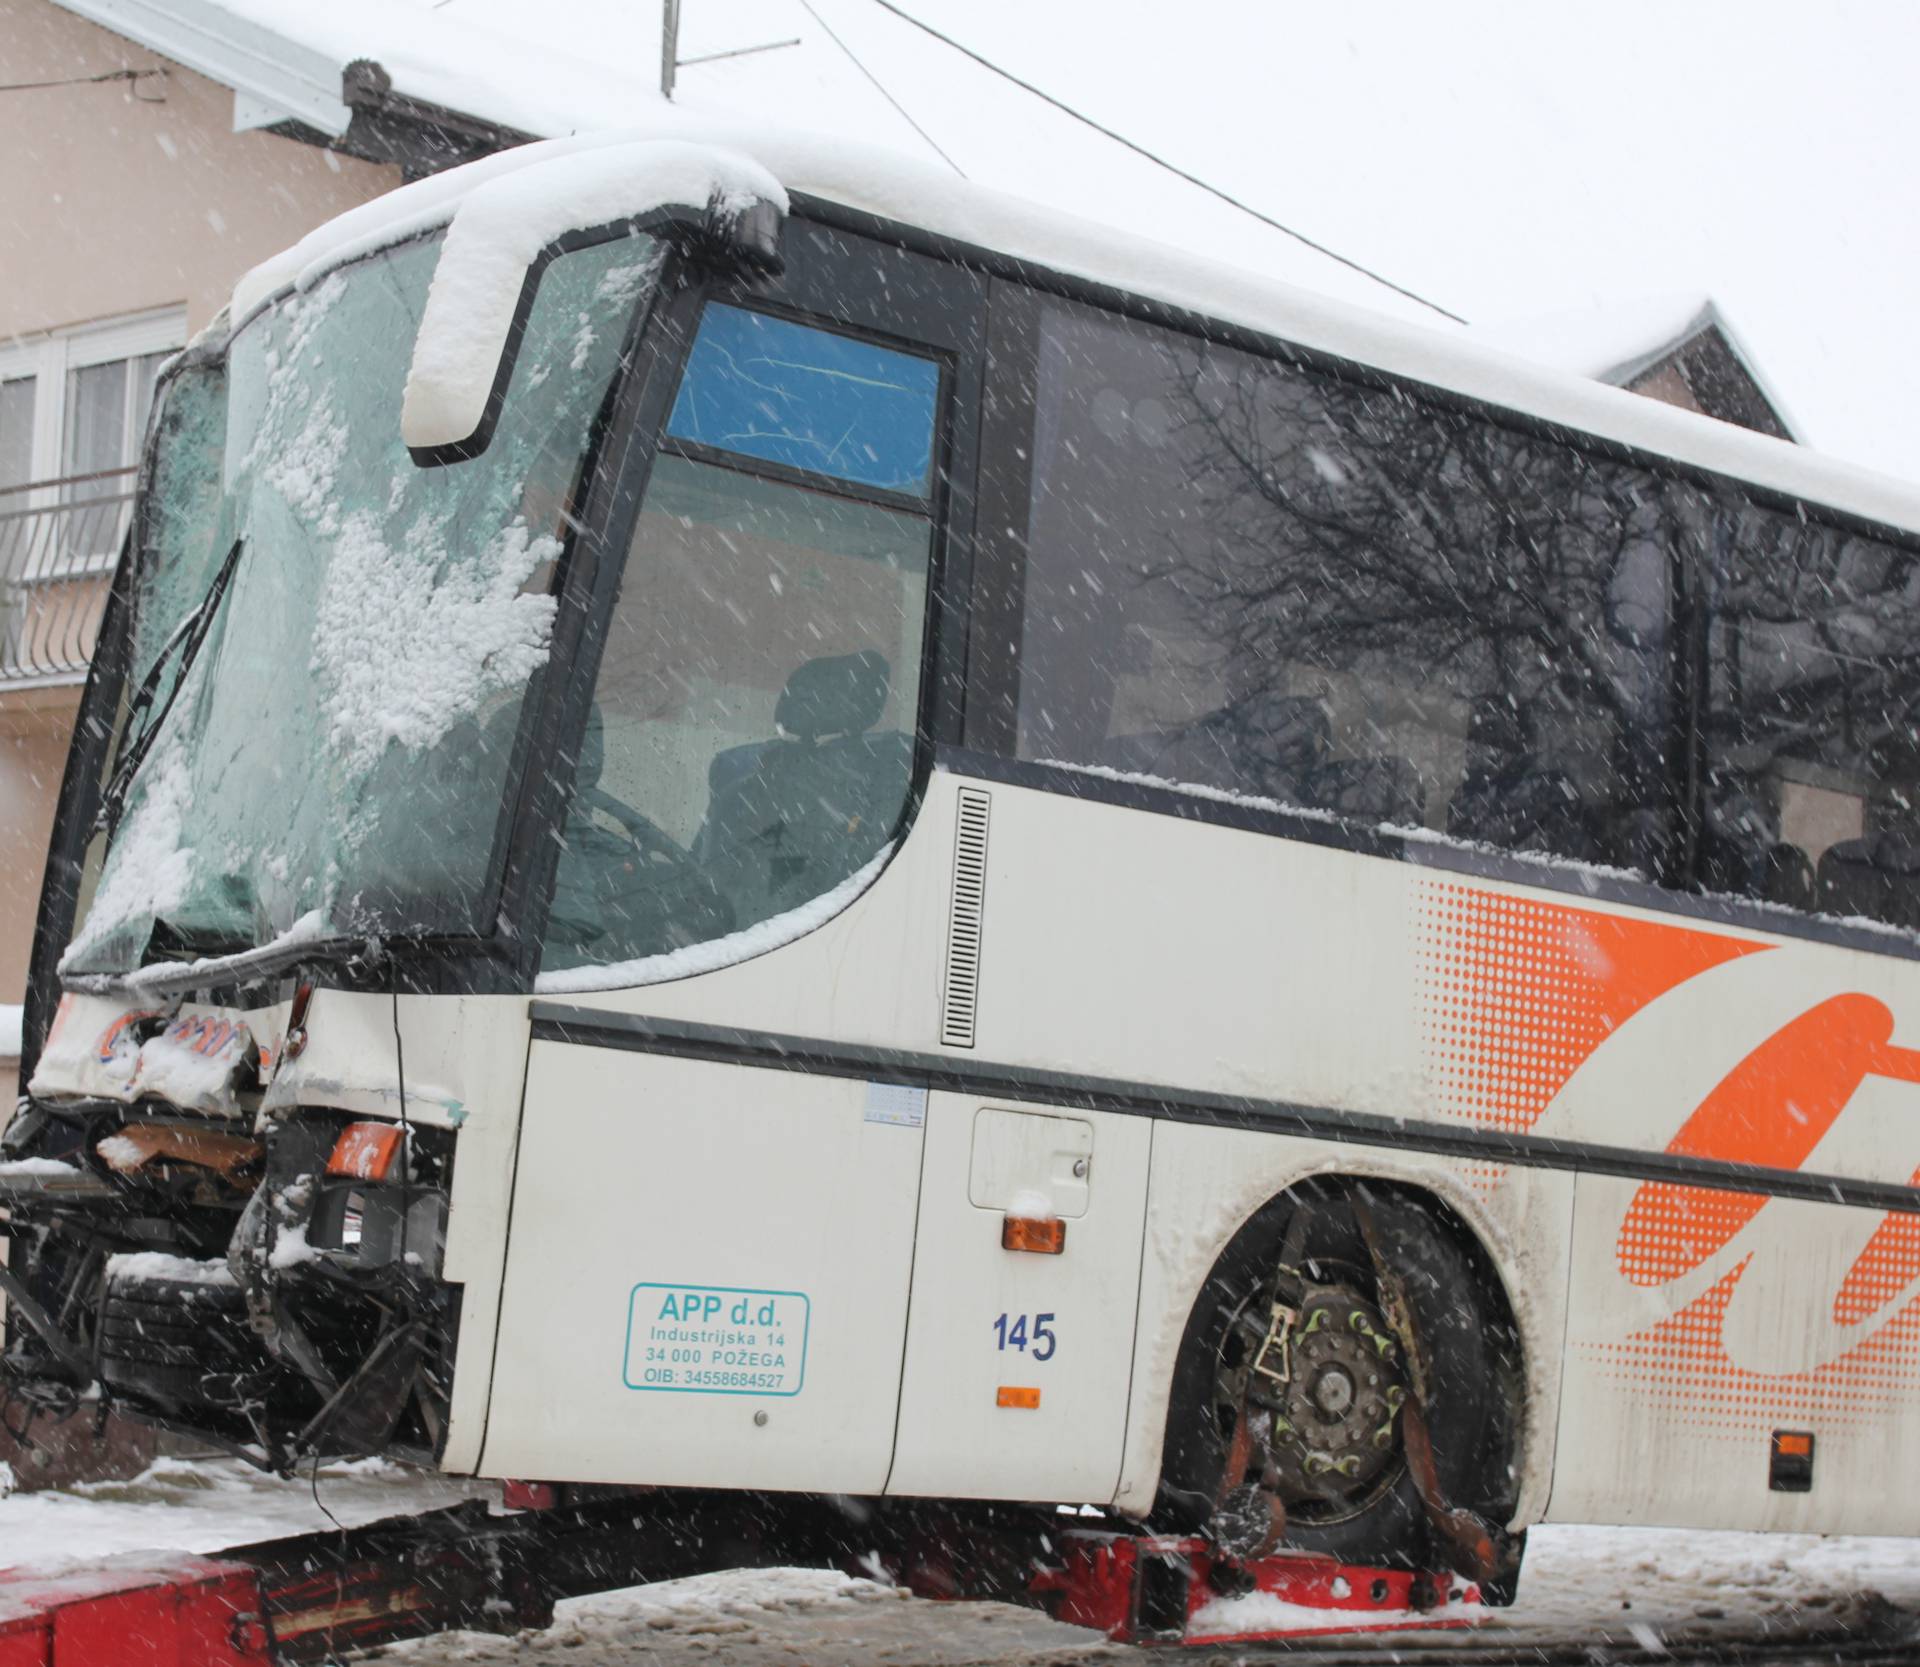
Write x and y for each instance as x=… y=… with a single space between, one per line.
x=717 y=1340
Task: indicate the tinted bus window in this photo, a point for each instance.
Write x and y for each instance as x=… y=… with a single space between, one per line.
x=785 y=393
x=1250 y=579
x=1811 y=731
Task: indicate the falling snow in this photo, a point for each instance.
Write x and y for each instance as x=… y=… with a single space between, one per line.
x=1225 y=688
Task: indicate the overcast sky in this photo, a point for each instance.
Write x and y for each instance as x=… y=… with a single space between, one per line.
x=1507 y=160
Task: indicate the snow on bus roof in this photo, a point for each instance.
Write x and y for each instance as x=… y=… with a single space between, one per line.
x=918 y=195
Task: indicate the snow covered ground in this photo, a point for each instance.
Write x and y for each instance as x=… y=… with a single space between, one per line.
x=1639 y=1591
x=1629 y=1594
x=183 y=1504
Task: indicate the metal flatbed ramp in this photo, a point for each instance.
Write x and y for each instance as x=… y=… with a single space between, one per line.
x=309 y=1598
x=176 y=1611
x=1149 y=1589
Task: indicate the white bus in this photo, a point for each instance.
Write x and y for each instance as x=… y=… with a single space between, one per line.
x=752 y=820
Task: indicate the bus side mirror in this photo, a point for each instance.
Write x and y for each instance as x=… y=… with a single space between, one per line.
x=715 y=204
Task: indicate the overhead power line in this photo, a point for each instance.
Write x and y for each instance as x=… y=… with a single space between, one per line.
x=1157 y=160
x=853 y=59
x=81 y=80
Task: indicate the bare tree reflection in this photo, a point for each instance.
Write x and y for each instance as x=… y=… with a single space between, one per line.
x=1510 y=586
x=1810 y=723
x=1254 y=577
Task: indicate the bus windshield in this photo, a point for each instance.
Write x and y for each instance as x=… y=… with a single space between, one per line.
x=334 y=760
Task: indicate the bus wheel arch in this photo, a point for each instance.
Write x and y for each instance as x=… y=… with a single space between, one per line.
x=1294 y=1377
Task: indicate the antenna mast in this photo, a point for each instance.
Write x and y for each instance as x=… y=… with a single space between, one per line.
x=670 y=59
x=669 y=45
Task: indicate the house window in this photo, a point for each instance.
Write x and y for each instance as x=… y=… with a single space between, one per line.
x=105 y=418
x=16 y=431
x=75 y=402
x=73 y=412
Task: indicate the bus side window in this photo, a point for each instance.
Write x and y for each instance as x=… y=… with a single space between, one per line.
x=750 y=746
x=1812 y=722
x=1252 y=579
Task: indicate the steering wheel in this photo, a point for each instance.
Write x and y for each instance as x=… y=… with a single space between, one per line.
x=648 y=836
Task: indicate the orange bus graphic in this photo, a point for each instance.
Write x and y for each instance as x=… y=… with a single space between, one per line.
x=1518 y=995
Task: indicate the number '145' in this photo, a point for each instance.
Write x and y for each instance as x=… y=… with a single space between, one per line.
x=1014 y=1334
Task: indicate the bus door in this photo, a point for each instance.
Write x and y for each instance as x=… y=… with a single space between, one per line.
x=1026 y=1284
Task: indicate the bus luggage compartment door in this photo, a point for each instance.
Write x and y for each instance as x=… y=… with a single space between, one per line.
x=706 y=1279
x=1019 y=1361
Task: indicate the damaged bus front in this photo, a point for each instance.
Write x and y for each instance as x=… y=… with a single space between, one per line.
x=317 y=779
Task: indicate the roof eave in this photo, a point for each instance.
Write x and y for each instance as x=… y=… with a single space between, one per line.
x=269 y=74
x=292 y=90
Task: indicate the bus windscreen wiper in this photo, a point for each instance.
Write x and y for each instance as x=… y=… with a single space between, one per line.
x=181 y=648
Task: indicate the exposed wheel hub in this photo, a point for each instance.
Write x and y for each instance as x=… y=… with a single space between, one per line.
x=1334 y=1393
x=1325 y=1382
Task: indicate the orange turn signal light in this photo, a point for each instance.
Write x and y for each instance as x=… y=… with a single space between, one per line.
x=1790 y=1464
x=365 y=1151
x=1009 y=1396
x=1043 y=1236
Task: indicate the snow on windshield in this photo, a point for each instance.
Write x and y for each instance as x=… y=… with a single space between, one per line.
x=341 y=743
x=460 y=640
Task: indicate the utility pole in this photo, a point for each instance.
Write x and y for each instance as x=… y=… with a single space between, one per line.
x=669 y=45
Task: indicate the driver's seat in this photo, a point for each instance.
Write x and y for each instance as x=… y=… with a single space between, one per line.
x=788 y=819
x=625 y=891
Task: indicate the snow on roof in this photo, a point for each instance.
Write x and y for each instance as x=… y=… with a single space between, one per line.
x=289 y=55
x=1618 y=341
x=917 y=194
x=516 y=78
x=573 y=66
x=1599 y=341
x=542 y=73
x=502 y=228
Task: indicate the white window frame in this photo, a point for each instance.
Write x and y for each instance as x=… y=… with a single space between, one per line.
x=50 y=358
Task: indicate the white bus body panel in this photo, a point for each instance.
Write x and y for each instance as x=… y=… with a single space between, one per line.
x=985 y=1318
x=1671 y=1400
x=1702 y=1322
x=1329 y=980
x=706 y=1278
x=1340 y=982
x=1089 y=966
x=634 y=1168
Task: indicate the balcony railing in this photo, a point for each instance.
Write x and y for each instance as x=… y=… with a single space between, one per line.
x=58 y=542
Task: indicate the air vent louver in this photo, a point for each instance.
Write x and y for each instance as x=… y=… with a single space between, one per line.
x=960 y=1005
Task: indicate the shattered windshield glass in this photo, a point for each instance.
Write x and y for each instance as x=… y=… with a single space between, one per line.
x=335 y=761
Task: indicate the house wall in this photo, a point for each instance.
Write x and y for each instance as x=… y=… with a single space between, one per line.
x=1664 y=382
x=117 y=198
x=115 y=204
